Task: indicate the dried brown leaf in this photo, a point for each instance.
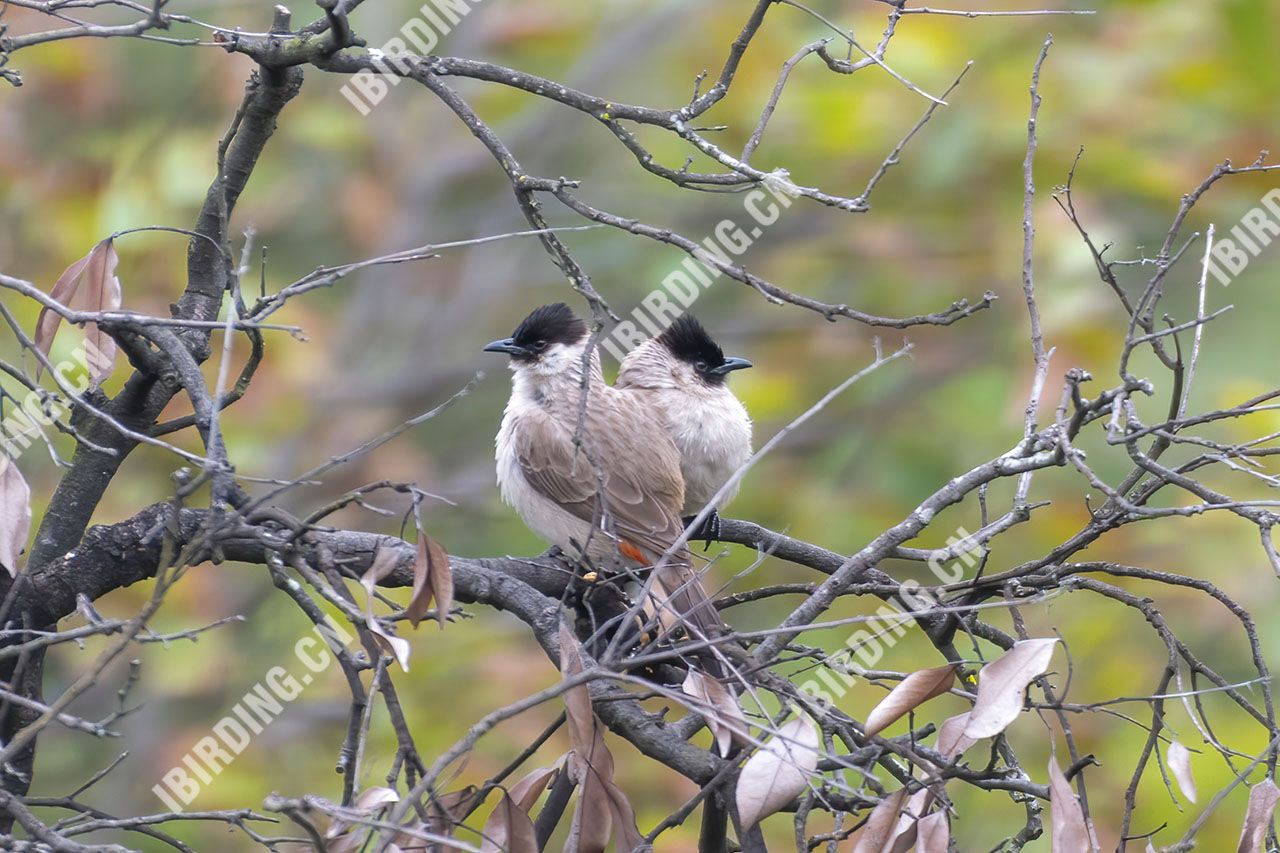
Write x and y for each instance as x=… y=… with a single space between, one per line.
x=446 y=810
x=349 y=841
x=719 y=707
x=384 y=562
x=64 y=288
x=509 y=828
x=101 y=292
x=444 y=813
x=420 y=599
x=880 y=830
x=602 y=807
x=374 y=798
x=1002 y=686
x=346 y=837
x=89 y=284
x=1257 y=818
x=603 y=811
x=432 y=581
x=778 y=772
x=526 y=792
x=624 y=819
x=910 y=693
x=1179 y=758
x=904 y=834
x=952 y=741
x=406 y=839
x=15 y=514
x=933 y=833
x=1069 y=831
x=592 y=825
x=577 y=701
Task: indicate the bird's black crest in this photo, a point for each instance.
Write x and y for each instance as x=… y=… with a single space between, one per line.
x=551 y=323
x=689 y=342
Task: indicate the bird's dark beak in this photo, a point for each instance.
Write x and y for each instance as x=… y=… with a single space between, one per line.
x=731 y=364
x=507 y=345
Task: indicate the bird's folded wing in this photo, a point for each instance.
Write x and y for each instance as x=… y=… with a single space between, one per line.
x=642 y=490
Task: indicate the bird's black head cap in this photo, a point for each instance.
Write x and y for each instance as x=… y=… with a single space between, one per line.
x=689 y=342
x=549 y=324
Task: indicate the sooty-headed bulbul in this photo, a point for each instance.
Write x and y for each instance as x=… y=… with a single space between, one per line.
x=680 y=374
x=616 y=495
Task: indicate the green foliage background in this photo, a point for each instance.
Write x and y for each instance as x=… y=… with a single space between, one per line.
x=113 y=134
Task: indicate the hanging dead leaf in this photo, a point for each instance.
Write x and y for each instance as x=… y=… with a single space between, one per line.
x=89 y=284
x=345 y=837
x=719 y=707
x=933 y=833
x=592 y=824
x=384 y=562
x=910 y=693
x=432 y=581
x=1070 y=831
x=577 y=701
x=446 y=810
x=624 y=820
x=879 y=832
x=1179 y=758
x=904 y=833
x=602 y=809
x=952 y=741
x=778 y=772
x=410 y=837
x=101 y=292
x=351 y=839
x=1257 y=817
x=1002 y=686
x=509 y=827
x=525 y=793
x=374 y=798
x=15 y=514
x=48 y=321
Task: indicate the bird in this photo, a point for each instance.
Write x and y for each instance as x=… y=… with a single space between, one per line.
x=681 y=374
x=601 y=481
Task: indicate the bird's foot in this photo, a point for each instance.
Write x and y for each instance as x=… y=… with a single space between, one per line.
x=708 y=531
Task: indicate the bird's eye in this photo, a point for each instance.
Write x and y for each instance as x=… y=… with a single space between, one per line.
x=700 y=366
x=539 y=345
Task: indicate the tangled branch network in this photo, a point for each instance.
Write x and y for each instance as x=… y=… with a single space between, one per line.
x=778 y=740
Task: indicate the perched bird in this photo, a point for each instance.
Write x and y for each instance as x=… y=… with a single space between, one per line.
x=680 y=374
x=615 y=496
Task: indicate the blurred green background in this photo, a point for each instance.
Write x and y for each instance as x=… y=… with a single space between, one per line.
x=113 y=134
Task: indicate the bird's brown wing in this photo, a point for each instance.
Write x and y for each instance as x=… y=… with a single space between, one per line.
x=627 y=451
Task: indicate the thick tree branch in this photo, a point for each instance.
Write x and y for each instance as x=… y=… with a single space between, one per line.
x=119 y=555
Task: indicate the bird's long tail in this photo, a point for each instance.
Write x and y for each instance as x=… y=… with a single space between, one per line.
x=681 y=601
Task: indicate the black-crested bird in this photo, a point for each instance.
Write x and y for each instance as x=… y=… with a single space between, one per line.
x=680 y=375
x=616 y=496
